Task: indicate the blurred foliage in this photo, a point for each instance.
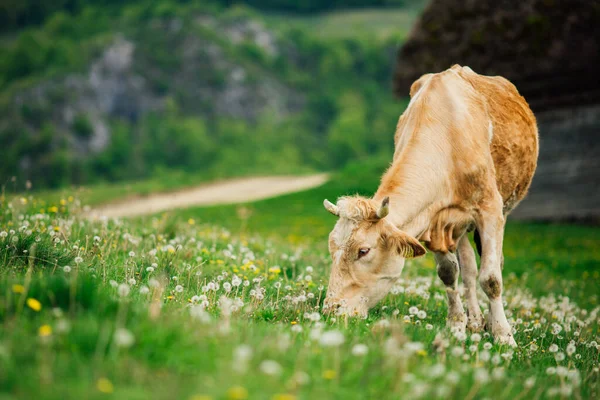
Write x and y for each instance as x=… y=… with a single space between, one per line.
x=347 y=112
x=16 y=14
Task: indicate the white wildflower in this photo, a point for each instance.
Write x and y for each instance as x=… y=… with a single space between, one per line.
x=270 y=367
x=124 y=338
x=331 y=339
x=481 y=375
x=529 y=382
x=360 y=350
x=123 y=290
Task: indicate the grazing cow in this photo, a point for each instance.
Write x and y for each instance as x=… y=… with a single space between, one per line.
x=466 y=150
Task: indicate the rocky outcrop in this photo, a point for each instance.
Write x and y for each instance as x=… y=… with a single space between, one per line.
x=138 y=73
x=550 y=50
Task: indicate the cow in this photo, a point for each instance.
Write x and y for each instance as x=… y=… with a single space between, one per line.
x=466 y=149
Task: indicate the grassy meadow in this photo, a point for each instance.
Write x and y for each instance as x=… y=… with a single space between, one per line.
x=224 y=303
x=343 y=24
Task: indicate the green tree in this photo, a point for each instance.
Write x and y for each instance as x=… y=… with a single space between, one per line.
x=348 y=134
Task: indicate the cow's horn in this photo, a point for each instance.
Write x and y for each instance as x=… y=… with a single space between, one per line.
x=332 y=208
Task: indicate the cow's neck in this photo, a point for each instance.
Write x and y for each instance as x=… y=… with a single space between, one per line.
x=415 y=187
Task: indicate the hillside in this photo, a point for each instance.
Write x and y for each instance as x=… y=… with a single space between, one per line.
x=126 y=93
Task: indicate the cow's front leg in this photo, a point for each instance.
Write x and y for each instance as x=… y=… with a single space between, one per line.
x=468 y=271
x=491 y=229
x=447 y=269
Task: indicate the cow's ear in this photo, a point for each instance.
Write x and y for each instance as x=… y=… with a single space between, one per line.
x=406 y=245
x=384 y=209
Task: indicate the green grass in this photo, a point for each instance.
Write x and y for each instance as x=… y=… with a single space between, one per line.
x=378 y=23
x=157 y=341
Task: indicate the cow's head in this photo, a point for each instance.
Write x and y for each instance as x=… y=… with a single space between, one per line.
x=368 y=254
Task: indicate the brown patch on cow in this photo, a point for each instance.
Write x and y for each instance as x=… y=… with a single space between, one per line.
x=514 y=147
x=492 y=287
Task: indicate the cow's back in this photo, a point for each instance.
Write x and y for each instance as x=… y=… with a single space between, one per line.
x=514 y=135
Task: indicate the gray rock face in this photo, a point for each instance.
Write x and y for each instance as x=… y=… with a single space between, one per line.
x=189 y=62
x=566 y=185
x=109 y=89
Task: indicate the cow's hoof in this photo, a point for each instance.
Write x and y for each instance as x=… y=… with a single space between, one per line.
x=476 y=324
x=457 y=323
x=505 y=339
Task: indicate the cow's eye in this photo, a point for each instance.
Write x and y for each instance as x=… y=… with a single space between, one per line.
x=363 y=252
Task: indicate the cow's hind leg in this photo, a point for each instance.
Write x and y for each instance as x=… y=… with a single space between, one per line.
x=468 y=271
x=447 y=269
x=491 y=229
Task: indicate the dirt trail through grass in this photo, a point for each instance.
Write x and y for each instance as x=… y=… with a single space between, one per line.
x=232 y=191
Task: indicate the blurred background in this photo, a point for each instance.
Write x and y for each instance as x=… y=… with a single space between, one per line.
x=185 y=91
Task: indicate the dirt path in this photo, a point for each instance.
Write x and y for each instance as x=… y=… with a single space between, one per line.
x=226 y=192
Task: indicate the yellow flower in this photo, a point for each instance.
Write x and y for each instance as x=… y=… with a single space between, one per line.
x=23 y=200
x=34 y=304
x=294 y=322
x=171 y=250
x=284 y=396
x=422 y=352
x=191 y=221
x=329 y=374
x=56 y=228
x=237 y=393
x=275 y=270
x=104 y=385
x=63 y=202
x=45 y=330
x=18 y=288
x=70 y=198
x=53 y=209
